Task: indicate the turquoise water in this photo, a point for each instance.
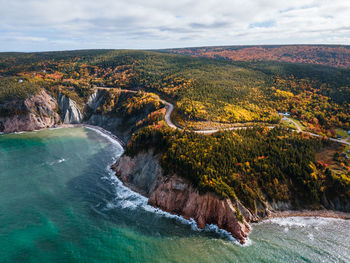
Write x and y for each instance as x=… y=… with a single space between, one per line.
x=59 y=202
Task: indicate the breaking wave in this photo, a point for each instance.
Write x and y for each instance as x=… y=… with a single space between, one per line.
x=304 y=222
x=109 y=137
x=125 y=198
x=57 y=162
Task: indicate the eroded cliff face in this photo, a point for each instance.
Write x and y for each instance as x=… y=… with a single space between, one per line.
x=100 y=112
x=95 y=100
x=70 y=112
x=36 y=112
x=173 y=194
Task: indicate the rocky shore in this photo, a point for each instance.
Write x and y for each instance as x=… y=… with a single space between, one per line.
x=171 y=193
x=143 y=172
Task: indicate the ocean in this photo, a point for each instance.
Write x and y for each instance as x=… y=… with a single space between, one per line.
x=60 y=202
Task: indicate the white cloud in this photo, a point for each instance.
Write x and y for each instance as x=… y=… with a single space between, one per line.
x=68 y=24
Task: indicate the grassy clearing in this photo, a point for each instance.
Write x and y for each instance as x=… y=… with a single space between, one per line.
x=291 y=125
x=288 y=124
x=342 y=133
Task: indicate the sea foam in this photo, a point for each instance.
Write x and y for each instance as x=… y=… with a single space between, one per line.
x=108 y=136
x=297 y=221
x=57 y=162
x=125 y=198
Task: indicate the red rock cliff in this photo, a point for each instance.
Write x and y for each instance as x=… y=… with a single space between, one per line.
x=174 y=194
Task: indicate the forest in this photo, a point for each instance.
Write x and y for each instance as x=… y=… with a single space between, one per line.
x=205 y=91
x=14 y=88
x=254 y=165
x=327 y=55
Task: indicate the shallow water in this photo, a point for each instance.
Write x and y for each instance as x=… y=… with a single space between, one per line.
x=59 y=202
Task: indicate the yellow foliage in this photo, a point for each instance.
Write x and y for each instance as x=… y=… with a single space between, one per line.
x=284 y=94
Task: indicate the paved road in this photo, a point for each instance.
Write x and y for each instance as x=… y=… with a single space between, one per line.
x=170 y=108
x=314 y=134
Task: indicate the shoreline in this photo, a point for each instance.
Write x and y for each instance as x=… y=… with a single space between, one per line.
x=309 y=213
x=80 y=125
x=98 y=128
x=278 y=214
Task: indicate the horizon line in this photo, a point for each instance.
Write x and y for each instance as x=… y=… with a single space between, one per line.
x=177 y=48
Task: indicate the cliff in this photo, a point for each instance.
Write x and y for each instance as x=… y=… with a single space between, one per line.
x=43 y=111
x=36 y=112
x=69 y=110
x=173 y=194
x=112 y=109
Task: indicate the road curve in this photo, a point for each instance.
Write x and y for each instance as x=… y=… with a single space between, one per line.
x=295 y=123
x=170 y=108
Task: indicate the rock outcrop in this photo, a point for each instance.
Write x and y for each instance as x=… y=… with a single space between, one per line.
x=70 y=112
x=95 y=100
x=142 y=173
x=36 y=112
x=174 y=194
x=99 y=112
x=110 y=122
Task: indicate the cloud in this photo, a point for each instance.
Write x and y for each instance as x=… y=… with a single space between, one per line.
x=67 y=24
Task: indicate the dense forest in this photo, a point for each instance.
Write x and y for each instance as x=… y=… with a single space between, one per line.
x=334 y=56
x=205 y=91
x=13 y=88
x=254 y=165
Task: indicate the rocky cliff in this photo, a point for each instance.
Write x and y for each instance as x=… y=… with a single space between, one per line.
x=70 y=112
x=95 y=100
x=174 y=194
x=109 y=109
x=36 y=112
x=43 y=111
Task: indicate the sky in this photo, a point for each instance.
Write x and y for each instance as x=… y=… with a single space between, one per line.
x=43 y=25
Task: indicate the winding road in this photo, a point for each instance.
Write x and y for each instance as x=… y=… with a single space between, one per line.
x=314 y=134
x=170 y=108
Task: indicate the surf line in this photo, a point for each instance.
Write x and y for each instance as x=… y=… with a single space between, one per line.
x=128 y=199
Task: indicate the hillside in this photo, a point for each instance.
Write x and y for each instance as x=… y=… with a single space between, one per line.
x=256 y=166
x=334 y=56
x=206 y=92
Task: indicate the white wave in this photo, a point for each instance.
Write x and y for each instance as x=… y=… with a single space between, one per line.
x=225 y=234
x=57 y=162
x=125 y=198
x=21 y=132
x=108 y=136
x=55 y=128
x=287 y=222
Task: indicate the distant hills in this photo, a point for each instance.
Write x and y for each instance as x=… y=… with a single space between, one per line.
x=328 y=55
